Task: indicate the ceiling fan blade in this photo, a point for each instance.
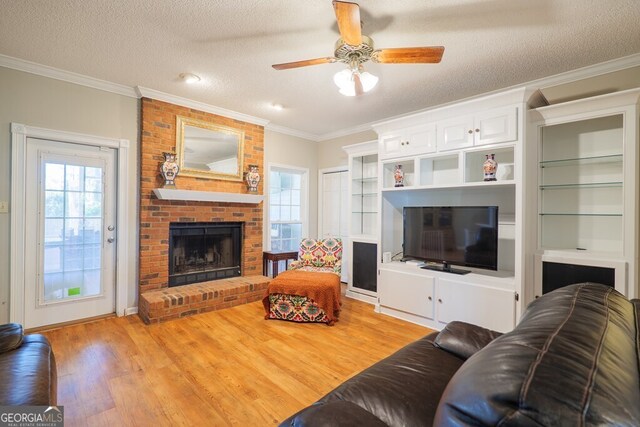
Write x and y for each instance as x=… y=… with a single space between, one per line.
x=348 y=16
x=408 y=55
x=298 y=64
x=358 y=84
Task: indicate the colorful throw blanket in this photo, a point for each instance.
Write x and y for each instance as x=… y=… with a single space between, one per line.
x=322 y=288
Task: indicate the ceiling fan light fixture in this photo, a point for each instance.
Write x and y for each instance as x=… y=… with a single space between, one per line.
x=369 y=81
x=345 y=81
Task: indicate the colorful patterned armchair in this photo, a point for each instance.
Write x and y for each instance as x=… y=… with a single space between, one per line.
x=304 y=293
x=324 y=255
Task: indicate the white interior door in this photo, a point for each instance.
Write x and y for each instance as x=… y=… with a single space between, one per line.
x=334 y=205
x=70 y=224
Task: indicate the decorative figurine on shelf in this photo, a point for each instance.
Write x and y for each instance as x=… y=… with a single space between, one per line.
x=490 y=166
x=169 y=169
x=398 y=176
x=252 y=178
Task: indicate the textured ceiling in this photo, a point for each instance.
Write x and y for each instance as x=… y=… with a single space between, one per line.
x=490 y=44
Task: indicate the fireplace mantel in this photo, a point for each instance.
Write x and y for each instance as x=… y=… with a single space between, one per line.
x=207 y=196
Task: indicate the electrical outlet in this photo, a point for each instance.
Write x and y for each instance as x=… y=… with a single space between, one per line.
x=4 y=206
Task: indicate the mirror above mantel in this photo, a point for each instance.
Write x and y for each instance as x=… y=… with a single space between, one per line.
x=208 y=150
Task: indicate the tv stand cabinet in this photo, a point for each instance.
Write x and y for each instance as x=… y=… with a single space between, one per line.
x=435 y=298
x=450 y=172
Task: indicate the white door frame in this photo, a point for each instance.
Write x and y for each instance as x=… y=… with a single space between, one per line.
x=19 y=135
x=320 y=189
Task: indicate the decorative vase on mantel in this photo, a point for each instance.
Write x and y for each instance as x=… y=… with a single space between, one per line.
x=398 y=176
x=252 y=178
x=490 y=166
x=169 y=169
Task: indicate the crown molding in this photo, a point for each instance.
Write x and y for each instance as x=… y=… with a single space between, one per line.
x=617 y=64
x=293 y=132
x=344 y=132
x=144 y=92
x=66 y=76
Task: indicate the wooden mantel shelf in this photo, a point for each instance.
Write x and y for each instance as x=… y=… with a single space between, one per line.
x=207 y=196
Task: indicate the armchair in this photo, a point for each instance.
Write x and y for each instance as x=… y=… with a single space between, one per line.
x=324 y=256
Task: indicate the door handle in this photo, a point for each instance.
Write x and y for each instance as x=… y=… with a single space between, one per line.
x=111 y=240
x=111 y=228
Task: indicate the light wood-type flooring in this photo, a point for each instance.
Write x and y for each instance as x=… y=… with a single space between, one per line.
x=229 y=367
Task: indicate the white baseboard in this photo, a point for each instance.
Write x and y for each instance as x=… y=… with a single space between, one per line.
x=131 y=310
x=362 y=297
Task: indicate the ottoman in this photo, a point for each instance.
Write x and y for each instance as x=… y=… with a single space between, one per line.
x=303 y=296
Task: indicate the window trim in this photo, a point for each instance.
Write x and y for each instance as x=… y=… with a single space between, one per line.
x=304 y=200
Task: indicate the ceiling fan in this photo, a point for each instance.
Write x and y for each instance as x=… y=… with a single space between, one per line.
x=353 y=48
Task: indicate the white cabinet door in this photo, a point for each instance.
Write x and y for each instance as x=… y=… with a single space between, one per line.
x=491 y=308
x=455 y=133
x=495 y=126
x=408 y=142
x=390 y=145
x=411 y=293
x=420 y=140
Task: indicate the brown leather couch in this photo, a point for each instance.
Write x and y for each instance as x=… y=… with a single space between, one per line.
x=27 y=368
x=573 y=360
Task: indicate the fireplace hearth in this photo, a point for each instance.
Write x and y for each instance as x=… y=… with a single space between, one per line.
x=204 y=251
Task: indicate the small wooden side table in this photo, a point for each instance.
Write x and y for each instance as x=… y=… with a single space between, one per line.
x=274 y=257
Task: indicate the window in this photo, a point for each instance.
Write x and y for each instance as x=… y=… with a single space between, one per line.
x=287 y=208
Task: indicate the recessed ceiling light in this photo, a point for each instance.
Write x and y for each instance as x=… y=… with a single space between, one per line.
x=277 y=107
x=189 y=78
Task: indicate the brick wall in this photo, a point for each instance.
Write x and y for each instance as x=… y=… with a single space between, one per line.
x=158 y=135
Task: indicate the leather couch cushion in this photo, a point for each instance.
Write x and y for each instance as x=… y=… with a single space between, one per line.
x=11 y=335
x=464 y=339
x=29 y=373
x=335 y=413
x=572 y=360
x=403 y=389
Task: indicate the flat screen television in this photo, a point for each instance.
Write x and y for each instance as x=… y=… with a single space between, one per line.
x=459 y=235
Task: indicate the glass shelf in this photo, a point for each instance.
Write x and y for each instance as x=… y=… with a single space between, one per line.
x=363 y=194
x=614 y=158
x=579 y=214
x=371 y=179
x=585 y=185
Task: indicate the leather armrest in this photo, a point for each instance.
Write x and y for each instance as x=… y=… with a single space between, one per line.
x=11 y=336
x=464 y=339
x=333 y=413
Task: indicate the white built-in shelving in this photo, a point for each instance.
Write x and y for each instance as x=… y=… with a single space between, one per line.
x=364 y=203
x=588 y=185
x=448 y=171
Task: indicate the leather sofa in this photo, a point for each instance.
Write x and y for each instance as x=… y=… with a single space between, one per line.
x=27 y=368
x=572 y=360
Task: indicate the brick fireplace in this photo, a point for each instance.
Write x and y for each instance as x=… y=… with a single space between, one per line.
x=158 y=136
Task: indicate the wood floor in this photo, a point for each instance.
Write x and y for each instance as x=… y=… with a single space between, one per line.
x=229 y=367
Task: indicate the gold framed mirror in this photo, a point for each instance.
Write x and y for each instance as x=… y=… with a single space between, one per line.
x=207 y=150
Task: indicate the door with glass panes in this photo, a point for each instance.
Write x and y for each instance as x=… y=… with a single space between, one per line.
x=70 y=224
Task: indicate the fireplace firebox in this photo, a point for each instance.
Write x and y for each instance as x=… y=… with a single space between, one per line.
x=203 y=251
